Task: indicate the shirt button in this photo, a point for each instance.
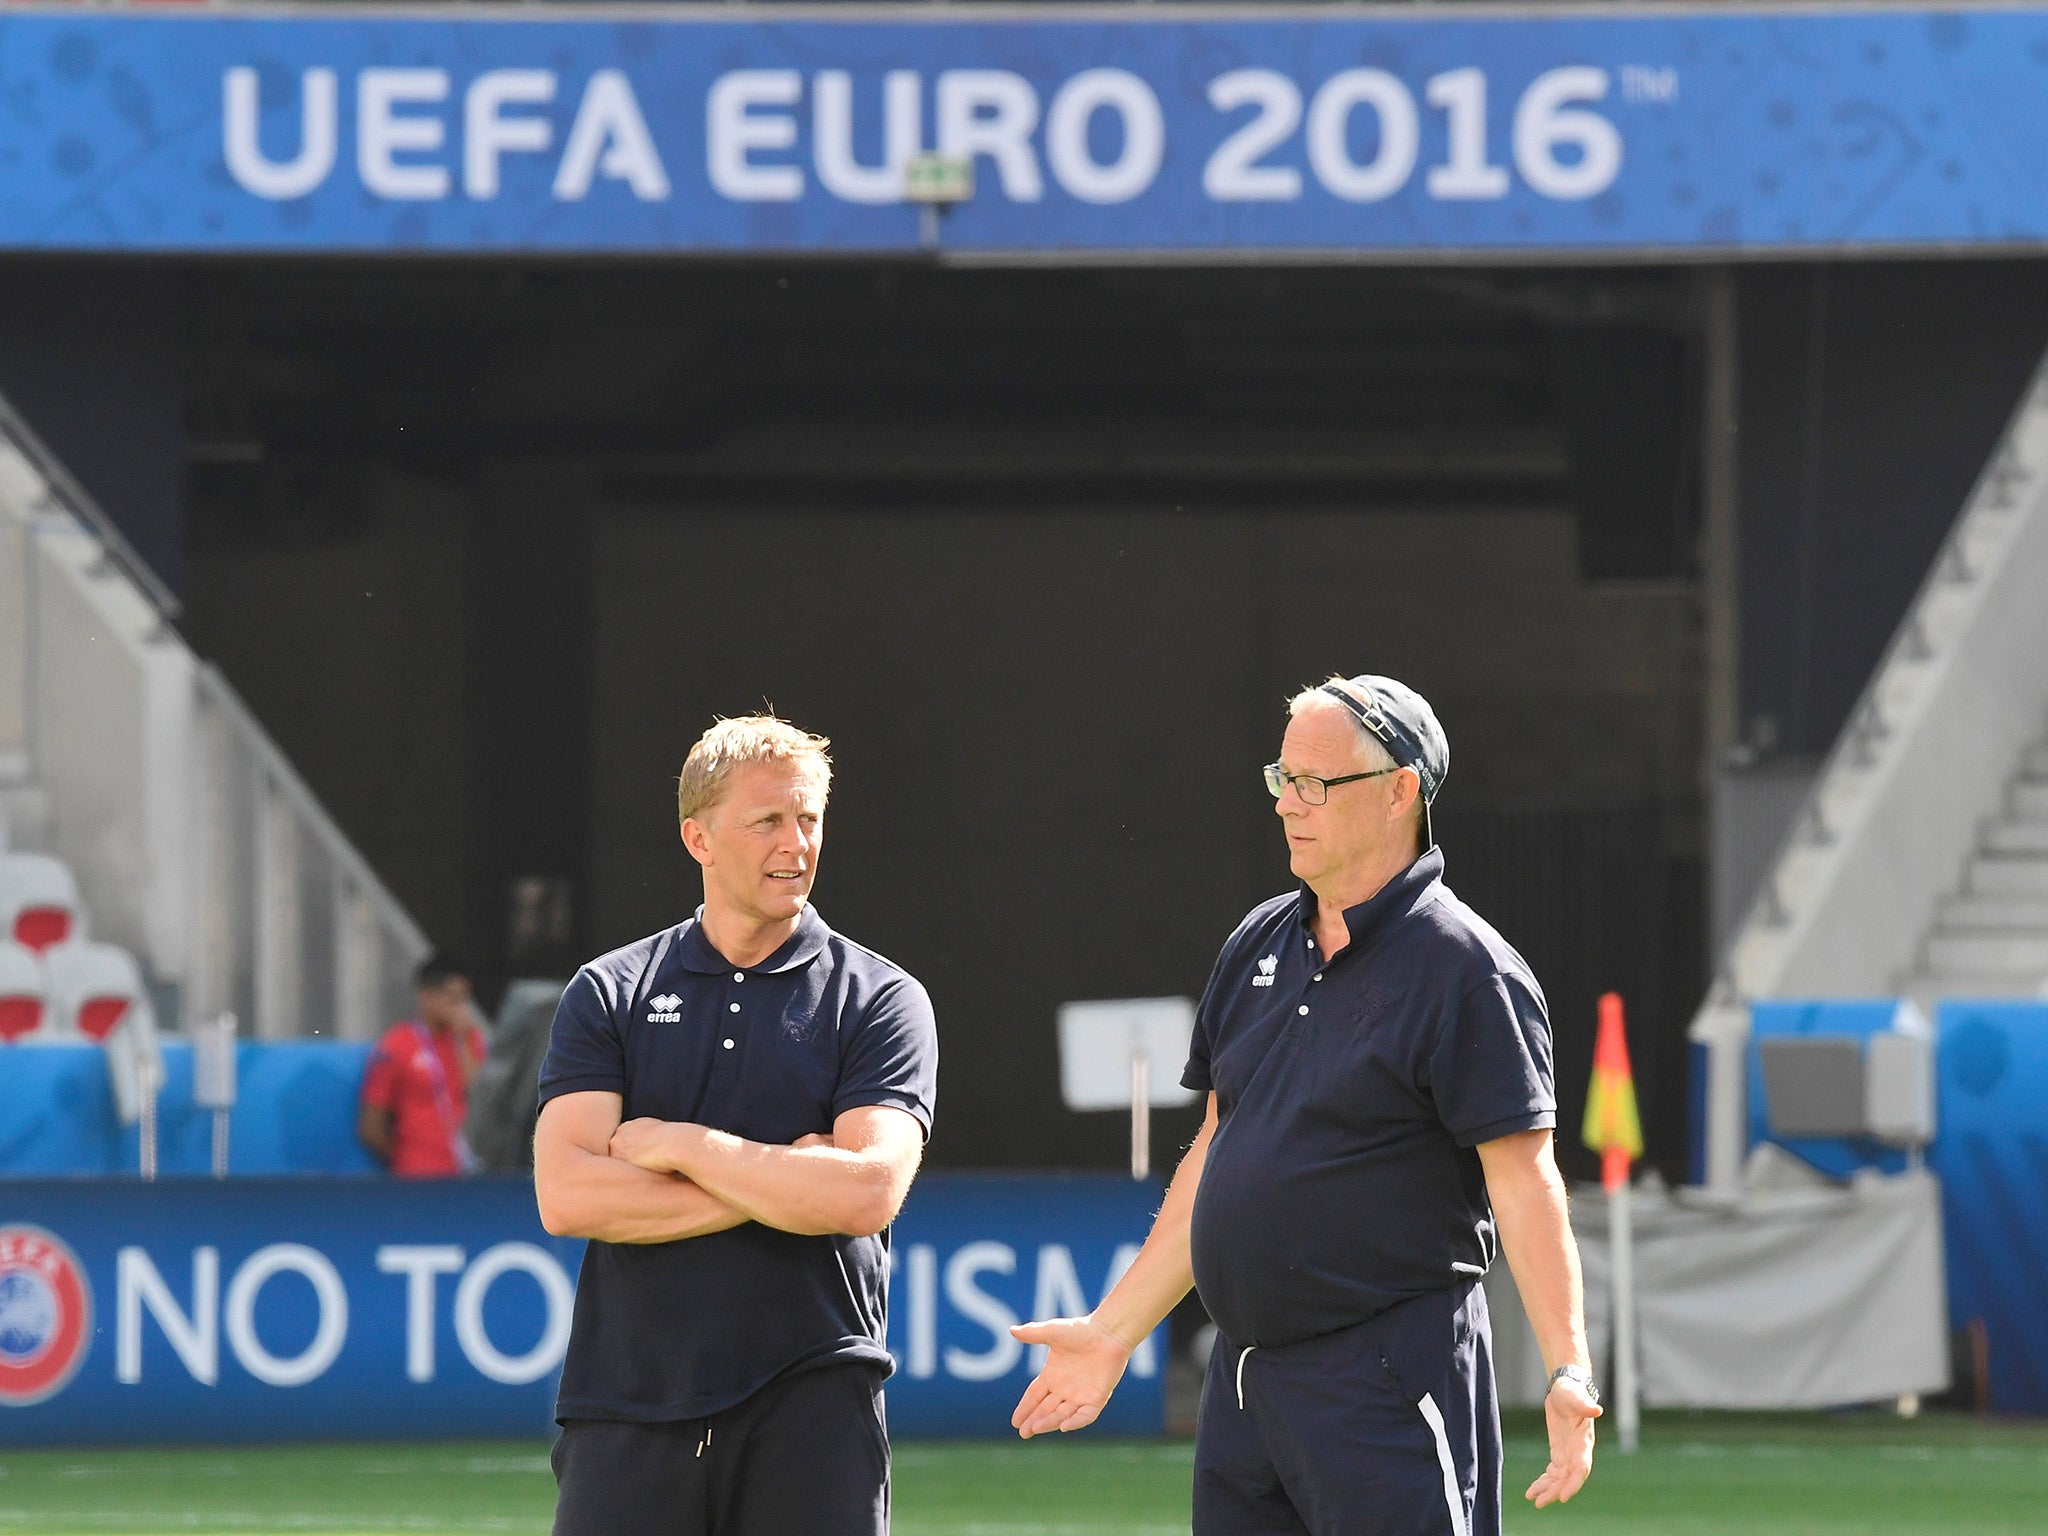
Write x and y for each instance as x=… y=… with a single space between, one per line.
x=728 y=1045
x=1317 y=977
x=739 y=975
x=1302 y=1009
x=735 y=1007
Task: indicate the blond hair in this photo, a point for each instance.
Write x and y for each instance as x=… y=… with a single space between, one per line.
x=731 y=744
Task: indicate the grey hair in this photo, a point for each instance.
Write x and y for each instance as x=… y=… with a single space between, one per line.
x=1371 y=748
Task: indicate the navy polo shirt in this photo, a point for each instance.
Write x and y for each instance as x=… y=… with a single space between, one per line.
x=770 y=1052
x=1342 y=1178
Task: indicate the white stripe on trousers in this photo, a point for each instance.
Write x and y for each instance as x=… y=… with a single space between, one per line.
x=1454 y=1496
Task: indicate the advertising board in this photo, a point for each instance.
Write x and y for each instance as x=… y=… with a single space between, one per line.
x=372 y=1309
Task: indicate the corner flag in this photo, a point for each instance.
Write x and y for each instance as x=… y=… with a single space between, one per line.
x=1612 y=1126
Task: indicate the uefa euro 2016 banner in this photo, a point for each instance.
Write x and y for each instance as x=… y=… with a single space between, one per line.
x=1140 y=129
x=367 y=1309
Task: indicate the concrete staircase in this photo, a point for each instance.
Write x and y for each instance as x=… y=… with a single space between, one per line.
x=1990 y=939
x=1863 y=898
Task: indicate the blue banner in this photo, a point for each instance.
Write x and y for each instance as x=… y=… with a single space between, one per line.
x=1087 y=132
x=314 y=1309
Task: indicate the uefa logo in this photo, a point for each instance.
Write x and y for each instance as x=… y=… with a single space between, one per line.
x=45 y=1315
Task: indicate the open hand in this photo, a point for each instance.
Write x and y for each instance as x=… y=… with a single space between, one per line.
x=1569 y=1414
x=1085 y=1363
x=646 y=1143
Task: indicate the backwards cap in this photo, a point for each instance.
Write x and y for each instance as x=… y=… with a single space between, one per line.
x=1400 y=719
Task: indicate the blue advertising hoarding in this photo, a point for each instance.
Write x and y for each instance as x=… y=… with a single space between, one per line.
x=1991 y=1154
x=372 y=1309
x=1091 y=131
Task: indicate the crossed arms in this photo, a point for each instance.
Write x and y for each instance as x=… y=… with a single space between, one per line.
x=659 y=1181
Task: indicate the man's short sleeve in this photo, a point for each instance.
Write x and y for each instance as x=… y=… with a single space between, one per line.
x=893 y=1056
x=380 y=1078
x=585 y=1054
x=1201 y=1044
x=1490 y=1072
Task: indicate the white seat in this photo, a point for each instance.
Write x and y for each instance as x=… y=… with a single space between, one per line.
x=96 y=995
x=24 y=999
x=39 y=905
x=94 y=988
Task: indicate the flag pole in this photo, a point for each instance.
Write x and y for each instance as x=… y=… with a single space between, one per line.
x=1622 y=1245
x=1614 y=1130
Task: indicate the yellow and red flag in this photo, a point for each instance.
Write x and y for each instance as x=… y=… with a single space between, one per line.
x=1613 y=1129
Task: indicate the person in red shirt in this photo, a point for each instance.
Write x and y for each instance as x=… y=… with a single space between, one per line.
x=416 y=1091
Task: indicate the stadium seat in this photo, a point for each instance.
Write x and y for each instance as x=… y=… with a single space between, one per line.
x=94 y=988
x=96 y=995
x=24 y=1001
x=39 y=905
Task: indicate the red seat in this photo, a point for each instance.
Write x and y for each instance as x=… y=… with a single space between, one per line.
x=99 y=1017
x=19 y=1016
x=24 y=1000
x=38 y=928
x=39 y=905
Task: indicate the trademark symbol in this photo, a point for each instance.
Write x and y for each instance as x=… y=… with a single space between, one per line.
x=1641 y=82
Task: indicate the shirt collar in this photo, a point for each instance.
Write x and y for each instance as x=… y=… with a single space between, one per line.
x=697 y=953
x=1386 y=906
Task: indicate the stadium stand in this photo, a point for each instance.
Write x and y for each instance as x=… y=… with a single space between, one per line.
x=39 y=904
x=1939 y=769
x=24 y=999
x=137 y=787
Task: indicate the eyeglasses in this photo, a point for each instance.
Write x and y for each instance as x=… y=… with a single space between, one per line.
x=1313 y=791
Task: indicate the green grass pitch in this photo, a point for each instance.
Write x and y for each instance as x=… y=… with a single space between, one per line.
x=1696 y=1475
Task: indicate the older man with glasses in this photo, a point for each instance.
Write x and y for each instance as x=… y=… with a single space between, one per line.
x=1378 y=1065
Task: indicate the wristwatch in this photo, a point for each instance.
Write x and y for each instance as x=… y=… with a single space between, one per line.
x=1578 y=1374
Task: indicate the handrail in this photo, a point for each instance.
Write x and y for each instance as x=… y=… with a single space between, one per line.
x=219 y=693
x=79 y=502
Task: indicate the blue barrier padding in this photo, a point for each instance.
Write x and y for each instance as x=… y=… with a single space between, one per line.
x=1838 y=1156
x=296 y=1112
x=1991 y=1153
x=197 y=1311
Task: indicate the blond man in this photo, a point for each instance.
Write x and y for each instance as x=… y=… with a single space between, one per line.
x=732 y=1111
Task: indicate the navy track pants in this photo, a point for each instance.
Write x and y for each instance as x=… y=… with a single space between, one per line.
x=1389 y=1428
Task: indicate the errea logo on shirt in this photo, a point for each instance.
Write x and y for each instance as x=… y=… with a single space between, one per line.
x=667 y=1009
x=1267 y=967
